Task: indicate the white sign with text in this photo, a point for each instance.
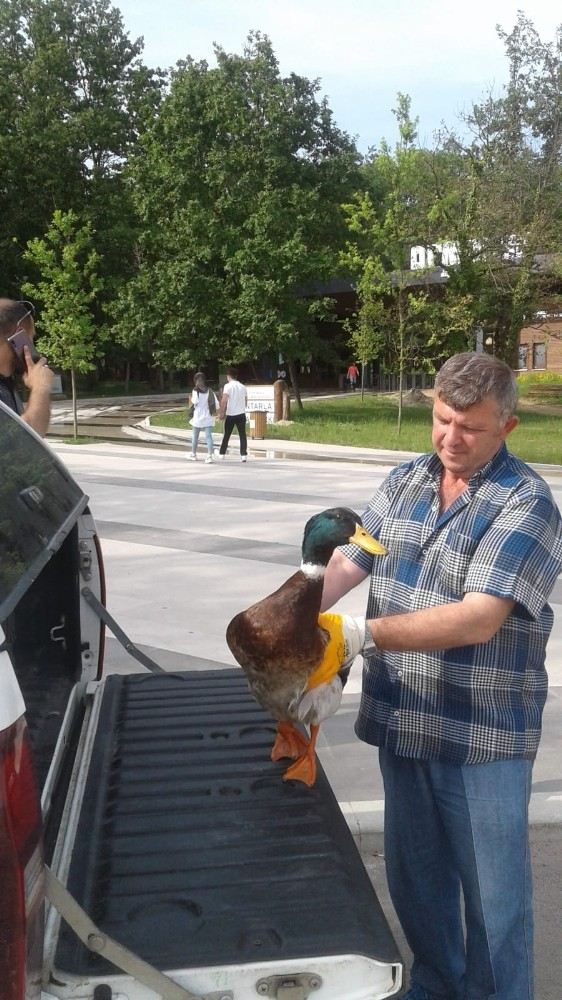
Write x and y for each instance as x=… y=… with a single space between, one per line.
x=260 y=397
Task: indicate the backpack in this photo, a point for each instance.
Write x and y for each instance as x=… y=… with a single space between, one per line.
x=211 y=402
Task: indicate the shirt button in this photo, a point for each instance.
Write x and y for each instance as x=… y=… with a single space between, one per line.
x=399 y=673
x=397 y=712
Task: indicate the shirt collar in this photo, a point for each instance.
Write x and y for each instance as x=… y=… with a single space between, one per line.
x=435 y=468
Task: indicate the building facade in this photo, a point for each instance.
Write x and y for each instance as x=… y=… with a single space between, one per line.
x=540 y=345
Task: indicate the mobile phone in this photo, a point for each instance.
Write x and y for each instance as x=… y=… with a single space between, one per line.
x=17 y=342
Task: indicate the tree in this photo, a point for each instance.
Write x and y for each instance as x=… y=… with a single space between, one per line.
x=73 y=97
x=399 y=318
x=237 y=183
x=67 y=290
x=499 y=195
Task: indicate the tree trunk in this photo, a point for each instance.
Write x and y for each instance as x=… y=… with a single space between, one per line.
x=400 y=362
x=127 y=377
x=74 y=403
x=295 y=383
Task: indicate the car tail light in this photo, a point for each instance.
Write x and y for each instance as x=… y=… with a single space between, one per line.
x=21 y=869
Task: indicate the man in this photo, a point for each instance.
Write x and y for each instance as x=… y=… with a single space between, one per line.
x=234 y=401
x=454 y=683
x=17 y=317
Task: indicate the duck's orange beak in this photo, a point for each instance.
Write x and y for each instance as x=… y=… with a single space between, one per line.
x=364 y=540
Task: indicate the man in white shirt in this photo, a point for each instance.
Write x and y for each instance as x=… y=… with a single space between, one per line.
x=234 y=401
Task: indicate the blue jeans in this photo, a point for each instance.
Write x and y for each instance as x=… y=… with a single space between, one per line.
x=451 y=827
x=195 y=438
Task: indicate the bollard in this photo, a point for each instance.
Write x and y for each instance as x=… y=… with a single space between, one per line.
x=258 y=423
x=281 y=400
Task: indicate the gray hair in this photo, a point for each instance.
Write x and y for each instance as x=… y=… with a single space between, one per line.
x=11 y=311
x=466 y=379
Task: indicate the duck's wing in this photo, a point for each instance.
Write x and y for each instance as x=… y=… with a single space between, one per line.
x=278 y=644
x=318 y=703
x=280 y=633
x=325 y=684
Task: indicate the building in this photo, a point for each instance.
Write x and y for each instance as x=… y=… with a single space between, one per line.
x=540 y=344
x=440 y=254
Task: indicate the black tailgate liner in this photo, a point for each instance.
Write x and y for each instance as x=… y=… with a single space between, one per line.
x=192 y=851
x=46 y=688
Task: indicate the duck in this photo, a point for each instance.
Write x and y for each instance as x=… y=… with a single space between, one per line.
x=292 y=655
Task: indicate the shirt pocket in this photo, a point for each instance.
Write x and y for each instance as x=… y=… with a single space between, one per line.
x=454 y=564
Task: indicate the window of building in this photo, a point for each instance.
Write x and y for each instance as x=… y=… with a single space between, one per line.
x=539 y=355
x=523 y=351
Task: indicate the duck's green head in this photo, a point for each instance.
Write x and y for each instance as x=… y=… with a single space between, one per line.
x=335 y=526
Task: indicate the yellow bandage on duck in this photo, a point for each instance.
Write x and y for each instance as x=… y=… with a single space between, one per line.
x=335 y=653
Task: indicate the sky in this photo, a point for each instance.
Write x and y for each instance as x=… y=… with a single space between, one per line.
x=446 y=55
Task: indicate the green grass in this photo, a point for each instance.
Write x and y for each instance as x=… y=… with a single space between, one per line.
x=371 y=423
x=531 y=383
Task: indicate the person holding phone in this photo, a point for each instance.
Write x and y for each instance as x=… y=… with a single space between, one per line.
x=18 y=357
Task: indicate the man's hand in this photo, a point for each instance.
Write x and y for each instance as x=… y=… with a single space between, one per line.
x=38 y=376
x=353 y=637
x=347 y=637
x=39 y=380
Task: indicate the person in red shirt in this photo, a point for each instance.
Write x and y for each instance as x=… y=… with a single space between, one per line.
x=352 y=375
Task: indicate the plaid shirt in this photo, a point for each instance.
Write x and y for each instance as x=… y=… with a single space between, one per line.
x=503 y=536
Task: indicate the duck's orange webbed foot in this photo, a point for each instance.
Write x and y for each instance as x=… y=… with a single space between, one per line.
x=304 y=769
x=288 y=742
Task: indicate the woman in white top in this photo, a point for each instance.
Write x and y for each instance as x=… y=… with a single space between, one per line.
x=205 y=405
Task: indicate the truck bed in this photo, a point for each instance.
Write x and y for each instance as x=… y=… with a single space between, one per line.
x=192 y=851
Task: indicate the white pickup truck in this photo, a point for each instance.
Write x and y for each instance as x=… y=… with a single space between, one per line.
x=174 y=861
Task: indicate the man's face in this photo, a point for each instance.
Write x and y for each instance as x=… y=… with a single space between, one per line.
x=465 y=440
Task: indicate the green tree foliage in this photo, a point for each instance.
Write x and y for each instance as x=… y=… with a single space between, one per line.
x=499 y=195
x=67 y=290
x=215 y=205
x=73 y=96
x=238 y=183
x=400 y=319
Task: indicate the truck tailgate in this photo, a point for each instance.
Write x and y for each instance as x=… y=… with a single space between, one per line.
x=191 y=850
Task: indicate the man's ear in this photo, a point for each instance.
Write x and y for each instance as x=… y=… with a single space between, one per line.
x=510 y=424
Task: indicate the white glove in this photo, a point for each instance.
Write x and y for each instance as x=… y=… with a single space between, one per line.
x=349 y=636
x=353 y=637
